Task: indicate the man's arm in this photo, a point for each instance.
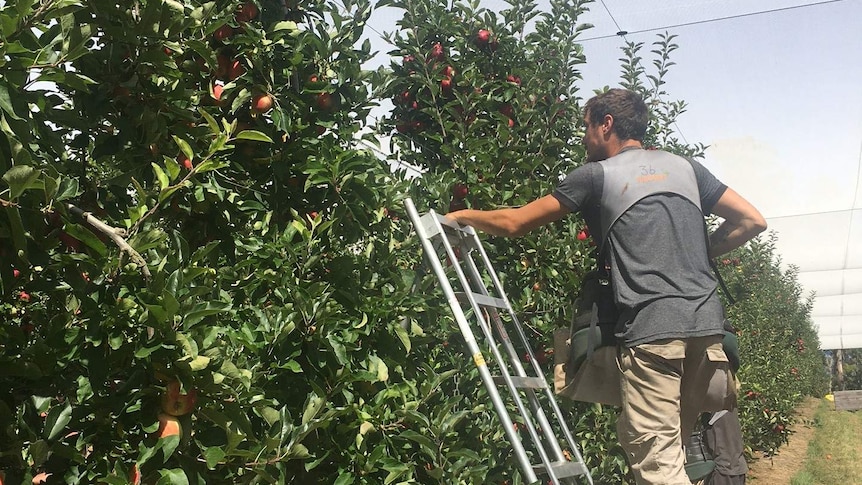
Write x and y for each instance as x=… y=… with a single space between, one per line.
x=742 y=221
x=513 y=222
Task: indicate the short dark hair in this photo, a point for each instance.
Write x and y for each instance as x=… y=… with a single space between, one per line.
x=626 y=107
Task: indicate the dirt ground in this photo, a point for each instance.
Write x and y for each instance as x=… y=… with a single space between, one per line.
x=779 y=469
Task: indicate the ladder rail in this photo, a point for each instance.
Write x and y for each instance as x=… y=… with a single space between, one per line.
x=538 y=412
x=485 y=307
x=570 y=440
x=480 y=312
x=461 y=319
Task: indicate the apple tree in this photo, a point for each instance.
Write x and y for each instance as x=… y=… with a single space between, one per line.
x=199 y=268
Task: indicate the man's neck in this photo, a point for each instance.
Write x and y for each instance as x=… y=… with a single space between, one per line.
x=624 y=145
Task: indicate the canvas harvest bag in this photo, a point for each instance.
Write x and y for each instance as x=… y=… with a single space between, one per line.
x=585 y=355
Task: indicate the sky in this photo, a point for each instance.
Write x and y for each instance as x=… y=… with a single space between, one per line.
x=774 y=89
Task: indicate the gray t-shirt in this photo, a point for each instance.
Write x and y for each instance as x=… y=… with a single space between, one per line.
x=663 y=285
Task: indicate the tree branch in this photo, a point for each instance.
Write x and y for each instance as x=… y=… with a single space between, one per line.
x=115 y=234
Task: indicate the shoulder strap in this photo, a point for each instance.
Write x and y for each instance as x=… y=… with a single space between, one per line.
x=730 y=299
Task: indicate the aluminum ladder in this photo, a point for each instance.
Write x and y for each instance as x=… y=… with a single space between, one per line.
x=459 y=244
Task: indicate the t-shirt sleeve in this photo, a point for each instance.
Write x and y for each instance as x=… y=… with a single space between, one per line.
x=576 y=189
x=711 y=189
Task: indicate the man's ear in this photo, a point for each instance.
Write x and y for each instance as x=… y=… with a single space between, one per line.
x=607 y=125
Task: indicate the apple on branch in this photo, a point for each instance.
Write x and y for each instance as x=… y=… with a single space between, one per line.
x=169 y=426
x=261 y=103
x=177 y=403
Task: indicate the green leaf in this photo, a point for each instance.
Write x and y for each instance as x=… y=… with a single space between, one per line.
x=213 y=124
x=287 y=25
x=162 y=177
x=145 y=352
x=184 y=147
x=253 y=135
x=19 y=235
x=203 y=310
x=20 y=178
x=174 y=476
x=6 y=102
x=68 y=189
x=199 y=363
x=403 y=336
x=213 y=456
x=345 y=478
x=313 y=405
x=210 y=164
x=40 y=450
x=169 y=444
x=57 y=420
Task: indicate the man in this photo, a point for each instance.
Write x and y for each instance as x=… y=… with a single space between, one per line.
x=647 y=207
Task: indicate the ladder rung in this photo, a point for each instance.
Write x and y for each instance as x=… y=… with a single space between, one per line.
x=563 y=469
x=523 y=382
x=483 y=300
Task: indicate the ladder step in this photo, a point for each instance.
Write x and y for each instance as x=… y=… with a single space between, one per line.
x=483 y=300
x=523 y=382
x=563 y=469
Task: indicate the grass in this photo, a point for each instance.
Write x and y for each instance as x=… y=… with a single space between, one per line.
x=835 y=453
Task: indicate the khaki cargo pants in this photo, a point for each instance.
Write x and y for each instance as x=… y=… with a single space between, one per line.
x=665 y=386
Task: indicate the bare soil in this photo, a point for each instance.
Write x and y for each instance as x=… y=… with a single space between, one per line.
x=780 y=468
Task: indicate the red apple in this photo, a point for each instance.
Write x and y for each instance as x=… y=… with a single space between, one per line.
x=482 y=37
x=223 y=67
x=134 y=475
x=69 y=241
x=121 y=92
x=40 y=478
x=218 y=89
x=16 y=273
x=460 y=191
x=235 y=70
x=437 y=52
x=324 y=101
x=448 y=71
x=24 y=296
x=168 y=426
x=582 y=236
x=408 y=59
x=175 y=403
x=246 y=12
x=513 y=79
x=223 y=32
x=184 y=161
x=446 y=86
x=506 y=110
x=511 y=123
x=261 y=103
